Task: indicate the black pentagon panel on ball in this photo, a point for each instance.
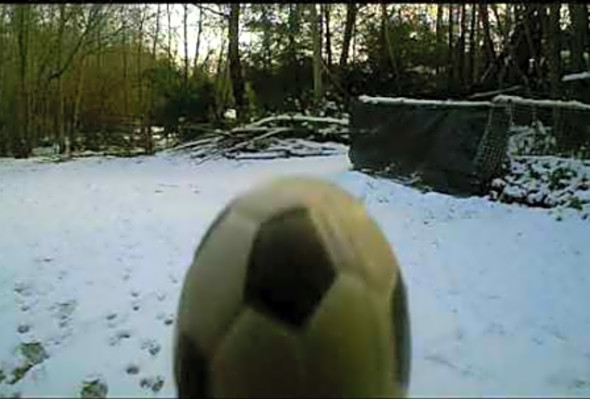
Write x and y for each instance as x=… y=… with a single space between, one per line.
x=289 y=269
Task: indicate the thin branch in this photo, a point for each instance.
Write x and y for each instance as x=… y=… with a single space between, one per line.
x=203 y=7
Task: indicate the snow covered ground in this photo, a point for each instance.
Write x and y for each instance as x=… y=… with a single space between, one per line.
x=93 y=252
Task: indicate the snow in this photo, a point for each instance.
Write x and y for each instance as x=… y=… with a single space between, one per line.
x=93 y=252
x=576 y=76
x=413 y=101
x=534 y=139
x=230 y=113
x=541 y=103
x=547 y=181
x=299 y=118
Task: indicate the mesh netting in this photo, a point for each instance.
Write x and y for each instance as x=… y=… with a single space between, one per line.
x=538 y=127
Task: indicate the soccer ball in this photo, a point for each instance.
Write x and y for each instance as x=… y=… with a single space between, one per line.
x=293 y=291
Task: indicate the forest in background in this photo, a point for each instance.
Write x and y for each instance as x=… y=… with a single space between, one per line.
x=82 y=76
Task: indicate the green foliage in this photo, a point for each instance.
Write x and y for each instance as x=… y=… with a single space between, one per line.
x=34 y=352
x=576 y=203
x=94 y=389
x=102 y=64
x=558 y=179
x=19 y=372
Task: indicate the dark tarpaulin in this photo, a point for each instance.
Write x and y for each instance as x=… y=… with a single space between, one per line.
x=446 y=143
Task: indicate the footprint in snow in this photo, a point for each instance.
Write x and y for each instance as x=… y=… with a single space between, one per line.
x=24 y=289
x=168 y=319
x=119 y=336
x=135 y=306
x=154 y=383
x=113 y=319
x=64 y=311
x=132 y=369
x=23 y=328
x=151 y=345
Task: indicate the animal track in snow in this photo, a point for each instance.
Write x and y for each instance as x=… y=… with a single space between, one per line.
x=151 y=345
x=154 y=383
x=119 y=336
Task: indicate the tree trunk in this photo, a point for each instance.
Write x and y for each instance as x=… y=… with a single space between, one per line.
x=220 y=78
x=508 y=23
x=149 y=146
x=125 y=70
x=388 y=46
x=169 y=34
x=234 y=61
x=328 y=34
x=294 y=30
x=3 y=138
x=59 y=115
x=439 y=33
x=317 y=57
x=185 y=27
x=490 y=54
x=450 y=57
x=461 y=49
x=579 y=19
x=553 y=50
x=266 y=39
x=20 y=147
x=472 y=46
x=141 y=108
x=155 y=42
x=351 y=10
x=198 y=44
x=75 y=127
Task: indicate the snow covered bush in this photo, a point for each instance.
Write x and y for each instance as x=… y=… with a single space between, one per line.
x=531 y=140
x=545 y=181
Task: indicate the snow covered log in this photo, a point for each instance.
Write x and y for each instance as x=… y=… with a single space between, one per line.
x=299 y=118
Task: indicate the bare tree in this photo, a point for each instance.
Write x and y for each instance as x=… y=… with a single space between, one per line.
x=317 y=55
x=461 y=47
x=490 y=54
x=59 y=116
x=21 y=19
x=328 y=34
x=579 y=19
x=351 y=11
x=198 y=44
x=553 y=34
x=439 y=32
x=472 y=46
x=386 y=38
x=185 y=28
x=234 y=60
x=169 y=15
x=450 y=57
x=125 y=57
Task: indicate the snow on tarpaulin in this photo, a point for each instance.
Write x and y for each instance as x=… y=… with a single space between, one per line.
x=414 y=101
x=503 y=99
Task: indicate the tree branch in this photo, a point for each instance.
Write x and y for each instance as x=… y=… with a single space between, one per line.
x=203 y=7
